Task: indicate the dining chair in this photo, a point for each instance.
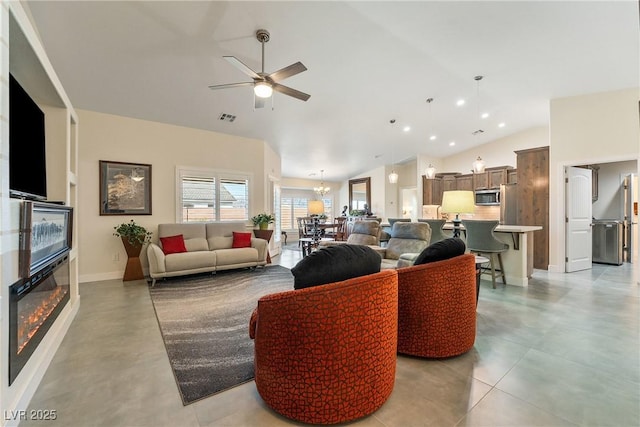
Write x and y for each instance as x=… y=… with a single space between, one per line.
x=338 y=231
x=303 y=228
x=482 y=241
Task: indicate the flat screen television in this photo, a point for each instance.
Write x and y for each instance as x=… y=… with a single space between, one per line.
x=27 y=154
x=45 y=236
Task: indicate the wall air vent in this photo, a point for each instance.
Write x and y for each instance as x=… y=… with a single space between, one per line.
x=227 y=117
x=477 y=132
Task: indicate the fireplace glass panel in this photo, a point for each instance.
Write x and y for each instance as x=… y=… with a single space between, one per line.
x=34 y=305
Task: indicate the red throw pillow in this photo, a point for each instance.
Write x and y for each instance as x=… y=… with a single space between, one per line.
x=241 y=240
x=173 y=244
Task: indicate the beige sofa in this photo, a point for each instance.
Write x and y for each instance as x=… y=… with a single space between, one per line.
x=209 y=249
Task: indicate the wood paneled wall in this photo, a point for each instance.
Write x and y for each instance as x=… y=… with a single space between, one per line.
x=533 y=199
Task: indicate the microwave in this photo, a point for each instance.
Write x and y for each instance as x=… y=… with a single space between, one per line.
x=489 y=197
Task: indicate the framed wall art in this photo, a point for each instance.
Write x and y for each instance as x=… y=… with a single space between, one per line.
x=125 y=188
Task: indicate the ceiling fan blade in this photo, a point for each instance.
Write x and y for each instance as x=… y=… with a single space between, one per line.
x=291 y=92
x=231 y=85
x=289 y=71
x=242 y=67
x=259 y=102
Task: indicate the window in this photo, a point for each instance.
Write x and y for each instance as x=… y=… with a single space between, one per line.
x=293 y=204
x=208 y=195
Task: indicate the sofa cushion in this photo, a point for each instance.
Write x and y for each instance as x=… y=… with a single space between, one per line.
x=439 y=251
x=190 y=261
x=173 y=244
x=241 y=240
x=196 y=244
x=220 y=242
x=230 y=257
x=188 y=231
x=334 y=264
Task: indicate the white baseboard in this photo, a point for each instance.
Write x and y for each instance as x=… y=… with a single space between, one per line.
x=98 y=277
x=111 y=275
x=554 y=269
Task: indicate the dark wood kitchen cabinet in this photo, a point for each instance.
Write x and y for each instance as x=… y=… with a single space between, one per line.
x=480 y=181
x=497 y=176
x=431 y=191
x=464 y=182
x=533 y=199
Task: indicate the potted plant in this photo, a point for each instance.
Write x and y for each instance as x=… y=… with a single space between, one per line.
x=263 y=220
x=134 y=234
x=133 y=237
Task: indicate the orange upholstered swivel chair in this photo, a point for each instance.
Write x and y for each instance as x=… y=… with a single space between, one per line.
x=437 y=307
x=327 y=354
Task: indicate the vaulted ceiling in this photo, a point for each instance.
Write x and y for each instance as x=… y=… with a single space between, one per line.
x=368 y=63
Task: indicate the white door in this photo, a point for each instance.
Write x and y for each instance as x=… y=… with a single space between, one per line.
x=579 y=219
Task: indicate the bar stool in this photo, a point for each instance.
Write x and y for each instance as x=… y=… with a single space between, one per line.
x=437 y=233
x=482 y=241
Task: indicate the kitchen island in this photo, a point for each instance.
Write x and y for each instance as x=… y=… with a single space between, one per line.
x=518 y=259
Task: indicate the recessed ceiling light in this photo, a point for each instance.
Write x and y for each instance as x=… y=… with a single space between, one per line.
x=433 y=137
x=452 y=143
x=460 y=102
x=501 y=125
x=484 y=115
x=406 y=128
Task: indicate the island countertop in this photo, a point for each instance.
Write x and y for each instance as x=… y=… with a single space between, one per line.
x=502 y=228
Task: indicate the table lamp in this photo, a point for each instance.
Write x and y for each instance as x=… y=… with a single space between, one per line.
x=315 y=208
x=458 y=202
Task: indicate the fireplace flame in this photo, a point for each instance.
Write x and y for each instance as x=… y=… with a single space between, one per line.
x=30 y=322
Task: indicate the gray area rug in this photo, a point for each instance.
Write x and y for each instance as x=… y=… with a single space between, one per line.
x=205 y=326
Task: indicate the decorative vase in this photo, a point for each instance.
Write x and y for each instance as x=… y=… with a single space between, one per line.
x=263 y=226
x=133 y=270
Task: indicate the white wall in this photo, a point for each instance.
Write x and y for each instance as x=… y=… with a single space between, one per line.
x=116 y=138
x=587 y=129
x=500 y=152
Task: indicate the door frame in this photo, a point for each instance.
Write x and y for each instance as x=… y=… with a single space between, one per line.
x=560 y=226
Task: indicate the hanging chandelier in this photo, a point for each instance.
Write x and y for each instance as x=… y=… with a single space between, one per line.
x=322 y=190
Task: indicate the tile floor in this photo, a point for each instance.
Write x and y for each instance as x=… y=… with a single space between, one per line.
x=562 y=352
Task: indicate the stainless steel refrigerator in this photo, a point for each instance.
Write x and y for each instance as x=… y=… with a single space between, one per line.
x=508 y=204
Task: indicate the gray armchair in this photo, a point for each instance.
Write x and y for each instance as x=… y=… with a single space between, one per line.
x=365 y=232
x=406 y=237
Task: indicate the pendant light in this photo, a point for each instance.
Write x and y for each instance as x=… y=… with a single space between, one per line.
x=393 y=176
x=430 y=171
x=478 y=164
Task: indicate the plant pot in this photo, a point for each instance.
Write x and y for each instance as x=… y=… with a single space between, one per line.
x=263 y=226
x=133 y=270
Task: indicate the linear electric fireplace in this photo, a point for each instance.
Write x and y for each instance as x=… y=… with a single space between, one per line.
x=34 y=304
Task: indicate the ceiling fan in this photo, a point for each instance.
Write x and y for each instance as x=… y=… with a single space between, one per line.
x=264 y=84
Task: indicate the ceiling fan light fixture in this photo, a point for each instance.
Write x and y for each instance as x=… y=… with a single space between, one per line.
x=263 y=90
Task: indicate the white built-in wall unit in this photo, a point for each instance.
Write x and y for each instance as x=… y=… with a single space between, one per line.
x=24 y=57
